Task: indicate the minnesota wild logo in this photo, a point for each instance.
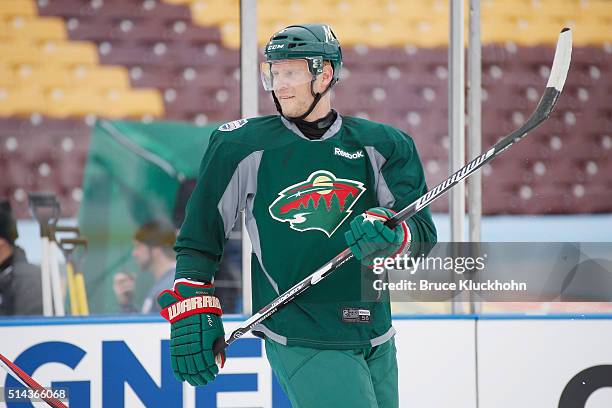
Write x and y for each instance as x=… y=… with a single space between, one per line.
x=322 y=202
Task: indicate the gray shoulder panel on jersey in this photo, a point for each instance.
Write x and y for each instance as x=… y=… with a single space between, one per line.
x=333 y=129
x=377 y=341
x=242 y=185
x=277 y=338
x=240 y=194
x=383 y=193
x=251 y=226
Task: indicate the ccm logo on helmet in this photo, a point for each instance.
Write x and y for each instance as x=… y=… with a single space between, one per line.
x=275 y=46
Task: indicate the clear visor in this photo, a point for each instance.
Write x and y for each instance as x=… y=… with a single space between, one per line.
x=276 y=75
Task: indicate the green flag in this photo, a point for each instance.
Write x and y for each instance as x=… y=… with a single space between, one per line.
x=135 y=172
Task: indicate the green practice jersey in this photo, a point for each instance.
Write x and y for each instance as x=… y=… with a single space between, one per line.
x=300 y=196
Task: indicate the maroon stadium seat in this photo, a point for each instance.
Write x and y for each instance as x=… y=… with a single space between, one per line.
x=113 y=9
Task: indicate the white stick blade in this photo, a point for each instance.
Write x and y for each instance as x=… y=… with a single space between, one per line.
x=561 y=63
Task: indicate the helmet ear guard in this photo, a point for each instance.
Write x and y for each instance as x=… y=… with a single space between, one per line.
x=315 y=65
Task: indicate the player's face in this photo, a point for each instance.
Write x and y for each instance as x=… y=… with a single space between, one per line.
x=290 y=80
x=295 y=100
x=142 y=255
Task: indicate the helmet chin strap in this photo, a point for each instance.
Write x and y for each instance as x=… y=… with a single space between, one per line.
x=317 y=98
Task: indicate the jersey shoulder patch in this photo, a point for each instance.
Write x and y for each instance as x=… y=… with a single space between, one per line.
x=228 y=127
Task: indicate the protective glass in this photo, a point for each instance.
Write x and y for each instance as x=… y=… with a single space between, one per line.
x=287 y=73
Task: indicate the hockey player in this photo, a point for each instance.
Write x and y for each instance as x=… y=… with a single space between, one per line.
x=311 y=181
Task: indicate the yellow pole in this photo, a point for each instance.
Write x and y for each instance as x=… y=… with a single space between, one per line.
x=82 y=294
x=72 y=290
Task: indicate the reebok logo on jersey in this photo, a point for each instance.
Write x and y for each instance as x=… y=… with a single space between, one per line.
x=356 y=155
x=322 y=202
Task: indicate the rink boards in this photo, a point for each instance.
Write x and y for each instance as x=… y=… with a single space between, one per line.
x=444 y=361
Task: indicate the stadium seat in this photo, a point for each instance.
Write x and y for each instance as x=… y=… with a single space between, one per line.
x=103 y=77
x=433 y=33
x=27 y=28
x=17 y=8
x=7 y=78
x=21 y=101
x=88 y=29
x=19 y=174
x=594 y=171
x=178 y=30
x=358 y=10
x=230 y=34
x=214 y=12
x=133 y=103
x=69 y=53
x=4 y=31
x=538 y=31
x=581 y=146
x=164 y=10
x=595 y=8
x=123 y=53
x=75 y=102
x=69 y=174
x=137 y=30
x=65 y=8
x=205 y=78
x=271 y=12
x=587 y=31
x=594 y=199
x=312 y=13
x=113 y=9
x=43 y=76
x=165 y=54
x=10 y=127
x=438 y=9
x=496 y=31
x=194 y=100
x=20 y=52
x=51 y=76
x=548 y=9
x=497 y=10
x=546 y=199
x=152 y=76
x=112 y=103
x=152 y=10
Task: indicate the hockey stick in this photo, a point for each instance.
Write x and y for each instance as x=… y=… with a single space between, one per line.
x=28 y=382
x=554 y=87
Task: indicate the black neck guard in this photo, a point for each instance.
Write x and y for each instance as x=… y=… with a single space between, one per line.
x=314 y=130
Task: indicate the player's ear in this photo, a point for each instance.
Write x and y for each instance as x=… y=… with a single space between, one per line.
x=326 y=76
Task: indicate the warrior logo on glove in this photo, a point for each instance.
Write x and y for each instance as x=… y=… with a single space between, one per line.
x=195 y=317
x=322 y=202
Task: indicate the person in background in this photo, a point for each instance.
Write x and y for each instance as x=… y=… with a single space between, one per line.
x=20 y=281
x=153 y=242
